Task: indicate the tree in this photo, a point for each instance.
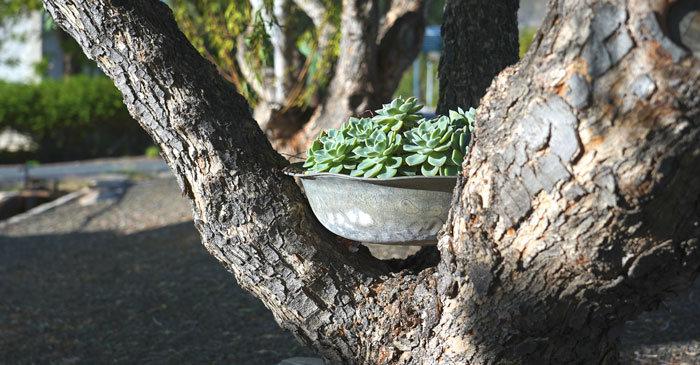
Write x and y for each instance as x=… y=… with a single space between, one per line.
x=578 y=205
x=282 y=55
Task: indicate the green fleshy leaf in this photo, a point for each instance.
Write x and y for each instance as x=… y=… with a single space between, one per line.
x=322 y=156
x=362 y=151
x=309 y=162
x=357 y=173
x=393 y=162
x=374 y=171
x=387 y=173
x=391 y=149
x=449 y=170
x=435 y=134
x=322 y=167
x=415 y=159
x=429 y=170
x=366 y=164
x=437 y=159
x=464 y=141
x=454 y=141
x=336 y=169
x=446 y=136
x=315 y=146
x=442 y=147
x=412 y=148
x=416 y=109
x=457 y=157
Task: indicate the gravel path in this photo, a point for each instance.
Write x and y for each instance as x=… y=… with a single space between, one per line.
x=127 y=280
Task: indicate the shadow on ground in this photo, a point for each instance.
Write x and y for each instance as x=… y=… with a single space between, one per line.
x=155 y=296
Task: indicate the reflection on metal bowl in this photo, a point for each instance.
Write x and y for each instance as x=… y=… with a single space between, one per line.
x=406 y=210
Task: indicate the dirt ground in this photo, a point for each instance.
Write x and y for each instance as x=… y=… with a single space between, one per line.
x=126 y=280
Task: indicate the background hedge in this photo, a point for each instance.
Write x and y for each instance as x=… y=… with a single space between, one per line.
x=77 y=118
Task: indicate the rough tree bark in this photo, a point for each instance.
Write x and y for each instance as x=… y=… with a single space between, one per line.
x=580 y=207
x=478 y=41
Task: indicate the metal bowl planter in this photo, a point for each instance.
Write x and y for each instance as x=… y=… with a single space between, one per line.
x=406 y=210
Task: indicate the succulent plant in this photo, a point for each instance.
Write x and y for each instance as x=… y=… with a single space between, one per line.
x=439 y=145
x=460 y=118
x=399 y=115
x=396 y=141
x=359 y=128
x=331 y=152
x=378 y=155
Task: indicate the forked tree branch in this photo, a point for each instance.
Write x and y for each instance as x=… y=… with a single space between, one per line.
x=578 y=205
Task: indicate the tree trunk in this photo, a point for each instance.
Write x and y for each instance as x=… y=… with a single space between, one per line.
x=375 y=49
x=578 y=209
x=371 y=61
x=477 y=39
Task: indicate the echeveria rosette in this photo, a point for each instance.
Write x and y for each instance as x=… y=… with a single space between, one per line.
x=437 y=146
x=331 y=152
x=360 y=128
x=378 y=156
x=460 y=118
x=399 y=115
x=396 y=141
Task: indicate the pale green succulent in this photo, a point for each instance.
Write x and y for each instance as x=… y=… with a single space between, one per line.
x=359 y=128
x=396 y=141
x=399 y=115
x=460 y=118
x=378 y=155
x=332 y=152
x=438 y=146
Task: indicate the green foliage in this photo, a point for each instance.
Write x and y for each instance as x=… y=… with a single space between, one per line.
x=76 y=118
x=395 y=142
x=38 y=109
x=152 y=151
x=10 y=8
x=214 y=27
x=525 y=39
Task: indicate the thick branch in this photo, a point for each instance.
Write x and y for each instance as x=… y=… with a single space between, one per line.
x=579 y=205
x=581 y=201
x=251 y=217
x=477 y=41
x=399 y=40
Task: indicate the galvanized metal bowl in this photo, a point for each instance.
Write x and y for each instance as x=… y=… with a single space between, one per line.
x=406 y=210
